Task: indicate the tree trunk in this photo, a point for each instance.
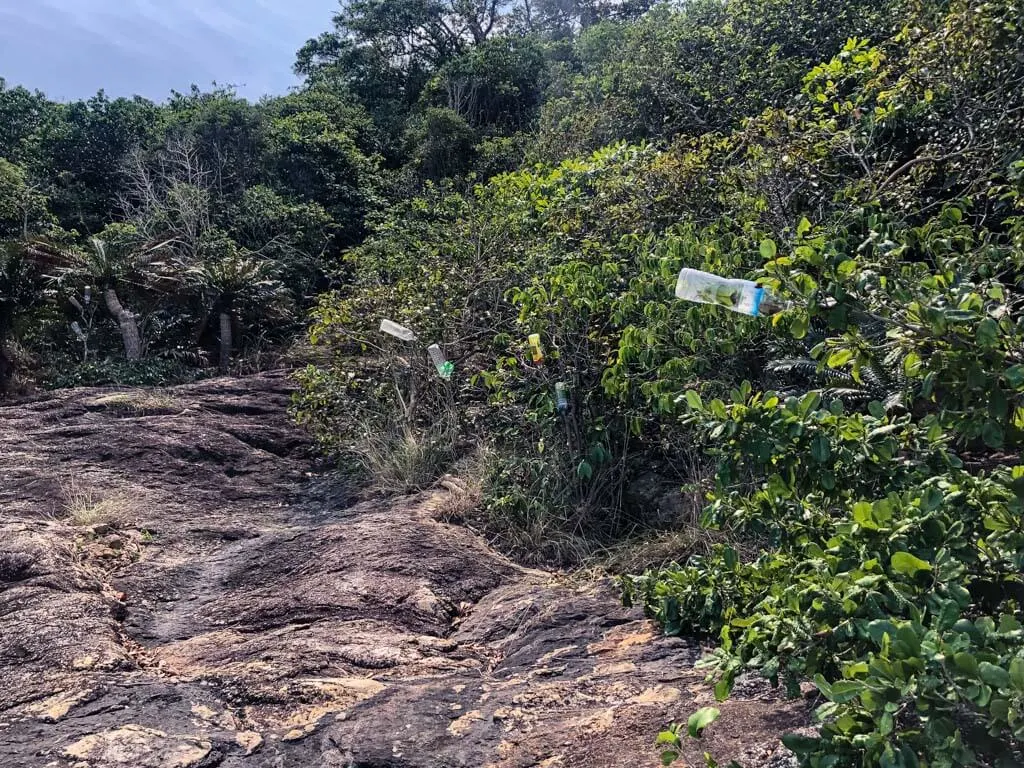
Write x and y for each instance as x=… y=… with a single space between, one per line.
x=129 y=328
x=201 y=325
x=226 y=341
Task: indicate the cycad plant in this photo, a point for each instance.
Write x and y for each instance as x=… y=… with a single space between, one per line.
x=110 y=267
x=882 y=380
x=231 y=282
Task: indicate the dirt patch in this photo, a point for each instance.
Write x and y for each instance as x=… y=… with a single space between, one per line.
x=234 y=608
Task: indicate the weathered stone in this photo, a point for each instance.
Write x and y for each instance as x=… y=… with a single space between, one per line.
x=254 y=615
x=138 y=747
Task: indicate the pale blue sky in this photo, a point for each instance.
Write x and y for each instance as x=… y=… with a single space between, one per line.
x=71 y=48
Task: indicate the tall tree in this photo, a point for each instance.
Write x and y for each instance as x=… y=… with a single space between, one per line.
x=23 y=206
x=85 y=148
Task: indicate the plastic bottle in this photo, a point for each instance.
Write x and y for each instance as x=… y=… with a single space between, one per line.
x=741 y=296
x=536 y=350
x=561 y=397
x=396 y=330
x=443 y=366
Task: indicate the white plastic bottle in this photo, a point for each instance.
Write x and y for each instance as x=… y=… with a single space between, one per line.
x=741 y=296
x=396 y=330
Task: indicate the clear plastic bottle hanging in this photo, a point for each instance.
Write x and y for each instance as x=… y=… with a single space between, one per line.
x=561 y=397
x=536 y=350
x=398 y=331
x=743 y=296
x=444 y=367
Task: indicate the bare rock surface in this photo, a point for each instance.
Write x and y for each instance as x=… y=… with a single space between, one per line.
x=180 y=588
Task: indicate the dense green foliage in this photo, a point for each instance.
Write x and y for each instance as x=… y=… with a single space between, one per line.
x=864 y=165
x=157 y=208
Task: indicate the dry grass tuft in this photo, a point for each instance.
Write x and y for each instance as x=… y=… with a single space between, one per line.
x=86 y=505
x=659 y=550
x=138 y=403
x=406 y=460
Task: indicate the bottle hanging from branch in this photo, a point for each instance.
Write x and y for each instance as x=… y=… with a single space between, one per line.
x=441 y=363
x=536 y=350
x=561 y=397
x=396 y=330
x=742 y=296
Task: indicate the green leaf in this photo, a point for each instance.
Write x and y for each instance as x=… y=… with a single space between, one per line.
x=585 y=471
x=879 y=628
x=823 y=685
x=839 y=358
x=912 y=365
x=999 y=709
x=846 y=690
x=724 y=687
x=798 y=328
x=820 y=449
x=966 y=663
x=862 y=515
x=1015 y=376
x=928 y=385
x=1017 y=673
x=949 y=614
x=995 y=676
x=846 y=268
x=768 y=249
x=701 y=719
x=988 y=333
x=809 y=402
x=799 y=744
x=931 y=499
x=907 y=564
x=908 y=641
x=668 y=757
x=992 y=434
x=886 y=724
x=694 y=401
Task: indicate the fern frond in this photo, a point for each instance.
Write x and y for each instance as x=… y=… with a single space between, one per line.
x=802 y=365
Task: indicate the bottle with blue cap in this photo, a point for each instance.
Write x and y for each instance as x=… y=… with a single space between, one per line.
x=742 y=296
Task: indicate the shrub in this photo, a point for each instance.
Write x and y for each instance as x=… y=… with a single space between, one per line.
x=892 y=534
x=145 y=373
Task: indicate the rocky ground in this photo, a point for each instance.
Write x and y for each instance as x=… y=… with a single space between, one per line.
x=179 y=587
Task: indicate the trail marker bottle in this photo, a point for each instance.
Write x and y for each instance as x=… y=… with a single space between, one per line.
x=536 y=350
x=743 y=296
x=396 y=330
x=443 y=366
x=561 y=397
